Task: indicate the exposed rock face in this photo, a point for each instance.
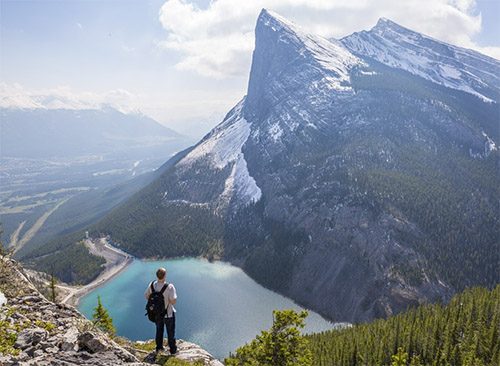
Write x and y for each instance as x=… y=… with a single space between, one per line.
x=58 y=335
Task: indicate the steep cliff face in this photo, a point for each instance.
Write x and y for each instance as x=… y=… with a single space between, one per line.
x=35 y=331
x=355 y=185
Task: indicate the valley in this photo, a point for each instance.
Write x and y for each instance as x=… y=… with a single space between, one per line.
x=42 y=172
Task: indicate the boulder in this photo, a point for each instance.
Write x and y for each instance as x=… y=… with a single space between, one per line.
x=92 y=342
x=69 y=340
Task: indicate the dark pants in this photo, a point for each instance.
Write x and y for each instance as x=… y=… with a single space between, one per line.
x=170 y=324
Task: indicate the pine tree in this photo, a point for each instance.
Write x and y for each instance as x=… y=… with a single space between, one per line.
x=281 y=346
x=3 y=252
x=400 y=358
x=101 y=318
x=53 y=293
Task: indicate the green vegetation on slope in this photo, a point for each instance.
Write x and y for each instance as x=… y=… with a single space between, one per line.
x=68 y=258
x=464 y=332
x=454 y=200
x=420 y=170
x=148 y=225
x=67 y=255
x=282 y=345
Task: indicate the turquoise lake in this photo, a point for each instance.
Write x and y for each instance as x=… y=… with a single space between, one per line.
x=218 y=307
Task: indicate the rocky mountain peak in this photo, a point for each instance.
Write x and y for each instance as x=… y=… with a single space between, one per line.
x=283 y=48
x=387 y=25
x=454 y=67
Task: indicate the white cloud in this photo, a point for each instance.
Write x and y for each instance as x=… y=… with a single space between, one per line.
x=218 y=41
x=79 y=26
x=16 y=96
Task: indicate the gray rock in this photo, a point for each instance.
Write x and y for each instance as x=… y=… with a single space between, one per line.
x=191 y=352
x=18 y=316
x=69 y=341
x=32 y=299
x=52 y=350
x=29 y=337
x=38 y=353
x=92 y=342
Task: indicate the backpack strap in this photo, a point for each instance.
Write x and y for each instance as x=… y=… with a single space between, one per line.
x=162 y=289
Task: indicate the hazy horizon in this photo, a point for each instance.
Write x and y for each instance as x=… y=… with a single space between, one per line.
x=186 y=63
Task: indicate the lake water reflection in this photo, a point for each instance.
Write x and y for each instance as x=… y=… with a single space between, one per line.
x=219 y=307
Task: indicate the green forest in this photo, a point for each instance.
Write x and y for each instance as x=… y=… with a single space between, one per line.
x=67 y=258
x=464 y=332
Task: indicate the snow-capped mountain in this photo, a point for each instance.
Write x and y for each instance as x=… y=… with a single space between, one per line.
x=442 y=63
x=355 y=187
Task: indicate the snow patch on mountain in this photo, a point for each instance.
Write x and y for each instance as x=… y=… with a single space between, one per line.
x=275 y=131
x=489 y=144
x=223 y=146
x=224 y=143
x=241 y=183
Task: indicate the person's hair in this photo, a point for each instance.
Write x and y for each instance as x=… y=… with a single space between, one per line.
x=161 y=273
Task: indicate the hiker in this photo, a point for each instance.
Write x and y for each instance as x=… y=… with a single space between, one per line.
x=168 y=316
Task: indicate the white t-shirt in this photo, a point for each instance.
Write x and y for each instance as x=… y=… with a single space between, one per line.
x=168 y=295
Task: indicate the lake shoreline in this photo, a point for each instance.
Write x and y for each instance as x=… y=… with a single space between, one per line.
x=219 y=306
x=117 y=261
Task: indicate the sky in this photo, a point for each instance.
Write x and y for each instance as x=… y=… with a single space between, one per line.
x=185 y=62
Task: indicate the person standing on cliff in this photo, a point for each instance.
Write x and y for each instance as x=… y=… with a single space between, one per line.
x=170 y=297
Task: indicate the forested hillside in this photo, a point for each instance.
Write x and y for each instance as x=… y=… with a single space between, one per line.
x=464 y=332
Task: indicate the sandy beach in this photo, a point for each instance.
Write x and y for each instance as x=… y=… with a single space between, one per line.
x=116 y=262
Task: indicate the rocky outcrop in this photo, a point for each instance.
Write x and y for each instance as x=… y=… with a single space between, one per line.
x=35 y=331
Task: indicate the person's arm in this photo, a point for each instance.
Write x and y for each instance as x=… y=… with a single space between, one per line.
x=148 y=292
x=172 y=295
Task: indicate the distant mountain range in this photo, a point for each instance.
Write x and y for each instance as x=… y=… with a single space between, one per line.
x=358 y=176
x=36 y=133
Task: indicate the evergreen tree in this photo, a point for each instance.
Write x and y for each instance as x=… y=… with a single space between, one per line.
x=281 y=346
x=53 y=293
x=400 y=358
x=101 y=318
x=464 y=332
x=2 y=250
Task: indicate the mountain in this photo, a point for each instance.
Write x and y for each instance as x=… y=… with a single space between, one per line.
x=35 y=133
x=444 y=64
x=355 y=187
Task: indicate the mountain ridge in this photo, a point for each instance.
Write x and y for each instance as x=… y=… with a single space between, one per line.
x=440 y=62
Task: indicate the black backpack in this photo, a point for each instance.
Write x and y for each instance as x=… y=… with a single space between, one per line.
x=155 y=307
